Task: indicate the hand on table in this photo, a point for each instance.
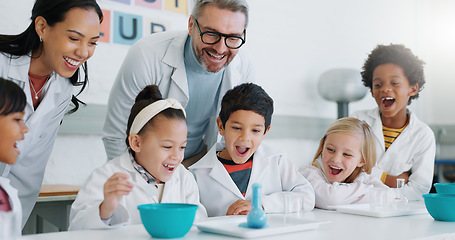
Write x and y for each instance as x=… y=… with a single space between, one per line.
x=239 y=207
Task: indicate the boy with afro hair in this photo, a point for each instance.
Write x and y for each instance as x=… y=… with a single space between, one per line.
x=405 y=146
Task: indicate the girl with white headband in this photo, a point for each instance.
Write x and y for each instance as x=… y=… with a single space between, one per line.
x=148 y=172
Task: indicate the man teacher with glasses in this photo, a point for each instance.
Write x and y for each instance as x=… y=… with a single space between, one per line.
x=195 y=67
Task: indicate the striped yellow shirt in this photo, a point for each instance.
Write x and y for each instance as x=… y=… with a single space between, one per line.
x=390 y=134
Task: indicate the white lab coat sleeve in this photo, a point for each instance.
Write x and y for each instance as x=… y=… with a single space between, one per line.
x=27 y=173
x=291 y=181
x=249 y=74
x=16 y=209
x=331 y=194
x=85 y=212
x=421 y=177
x=192 y=194
x=413 y=150
x=377 y=183
x=377 y=172
x=134 y=75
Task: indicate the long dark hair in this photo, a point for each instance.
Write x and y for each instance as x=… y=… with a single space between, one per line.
x=54 y=11
x=12 y=98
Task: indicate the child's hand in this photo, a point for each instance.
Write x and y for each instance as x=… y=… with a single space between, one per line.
x=114 y=189
x=239 y=207
x=391 y=181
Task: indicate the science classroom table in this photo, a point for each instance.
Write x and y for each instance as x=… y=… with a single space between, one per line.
x=341 y=226
x=52 y=207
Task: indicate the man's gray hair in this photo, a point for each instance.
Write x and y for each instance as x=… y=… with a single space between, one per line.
x=232 y=5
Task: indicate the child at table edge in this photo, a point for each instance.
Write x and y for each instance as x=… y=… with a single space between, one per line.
x=148 y=172
x=395 y=77
x=225 y=175
x=12 y=130
x=341 y=167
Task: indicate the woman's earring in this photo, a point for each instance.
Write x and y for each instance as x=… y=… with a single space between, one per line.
x=40 y=39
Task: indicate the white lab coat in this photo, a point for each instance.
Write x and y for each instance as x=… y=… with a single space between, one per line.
x=27 y=173
x=413 y=150
x=15 y=206
x=270 y=168
x=158 y=59
x=181 y=188
x=331 y=194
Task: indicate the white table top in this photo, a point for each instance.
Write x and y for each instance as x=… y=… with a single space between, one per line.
x=341 y=226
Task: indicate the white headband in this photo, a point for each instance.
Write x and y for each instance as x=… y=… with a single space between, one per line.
x=152 y=110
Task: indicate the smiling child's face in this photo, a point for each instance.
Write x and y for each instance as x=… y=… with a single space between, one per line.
x=341 y=155
x=12 y=129
x=160 y=149
x=243 y=133
x=391 y=90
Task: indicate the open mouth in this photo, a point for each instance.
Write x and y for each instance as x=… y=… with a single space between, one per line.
x=215 y=56
x=335 y=170
x=242 y=150
x=169 y=167
x=388 y=101
x=15 y=148
x=72 y=62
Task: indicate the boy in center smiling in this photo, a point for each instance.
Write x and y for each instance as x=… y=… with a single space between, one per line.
x=225 y=175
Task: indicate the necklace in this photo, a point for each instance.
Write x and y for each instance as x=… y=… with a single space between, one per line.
x=41 y=89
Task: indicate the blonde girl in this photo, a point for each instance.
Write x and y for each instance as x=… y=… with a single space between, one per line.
x=341 y=166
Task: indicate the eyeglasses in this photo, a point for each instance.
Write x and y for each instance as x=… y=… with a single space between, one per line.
x=212 y=38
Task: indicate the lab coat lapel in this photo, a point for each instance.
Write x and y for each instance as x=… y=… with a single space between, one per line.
x=258 y=171
x=220 y=175
x=227 y=82
x=174 y=58
x=48 y=103
x=401 y=140
x=377 y=127
x=217 y=170
x=137 y=179
x=18 y=73
x=169 y=194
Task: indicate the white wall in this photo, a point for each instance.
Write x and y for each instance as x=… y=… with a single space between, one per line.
x=291 y=43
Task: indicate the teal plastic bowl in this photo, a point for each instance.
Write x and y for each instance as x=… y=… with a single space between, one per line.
x=441 y=206
x=167 y=220
x=445 y=188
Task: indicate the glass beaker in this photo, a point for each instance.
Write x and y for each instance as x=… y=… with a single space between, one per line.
x=400 y=201
x=378 y=199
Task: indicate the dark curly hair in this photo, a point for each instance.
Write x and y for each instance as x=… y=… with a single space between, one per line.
x=399 y=55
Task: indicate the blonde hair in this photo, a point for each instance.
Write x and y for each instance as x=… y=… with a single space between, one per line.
x=352 y=126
